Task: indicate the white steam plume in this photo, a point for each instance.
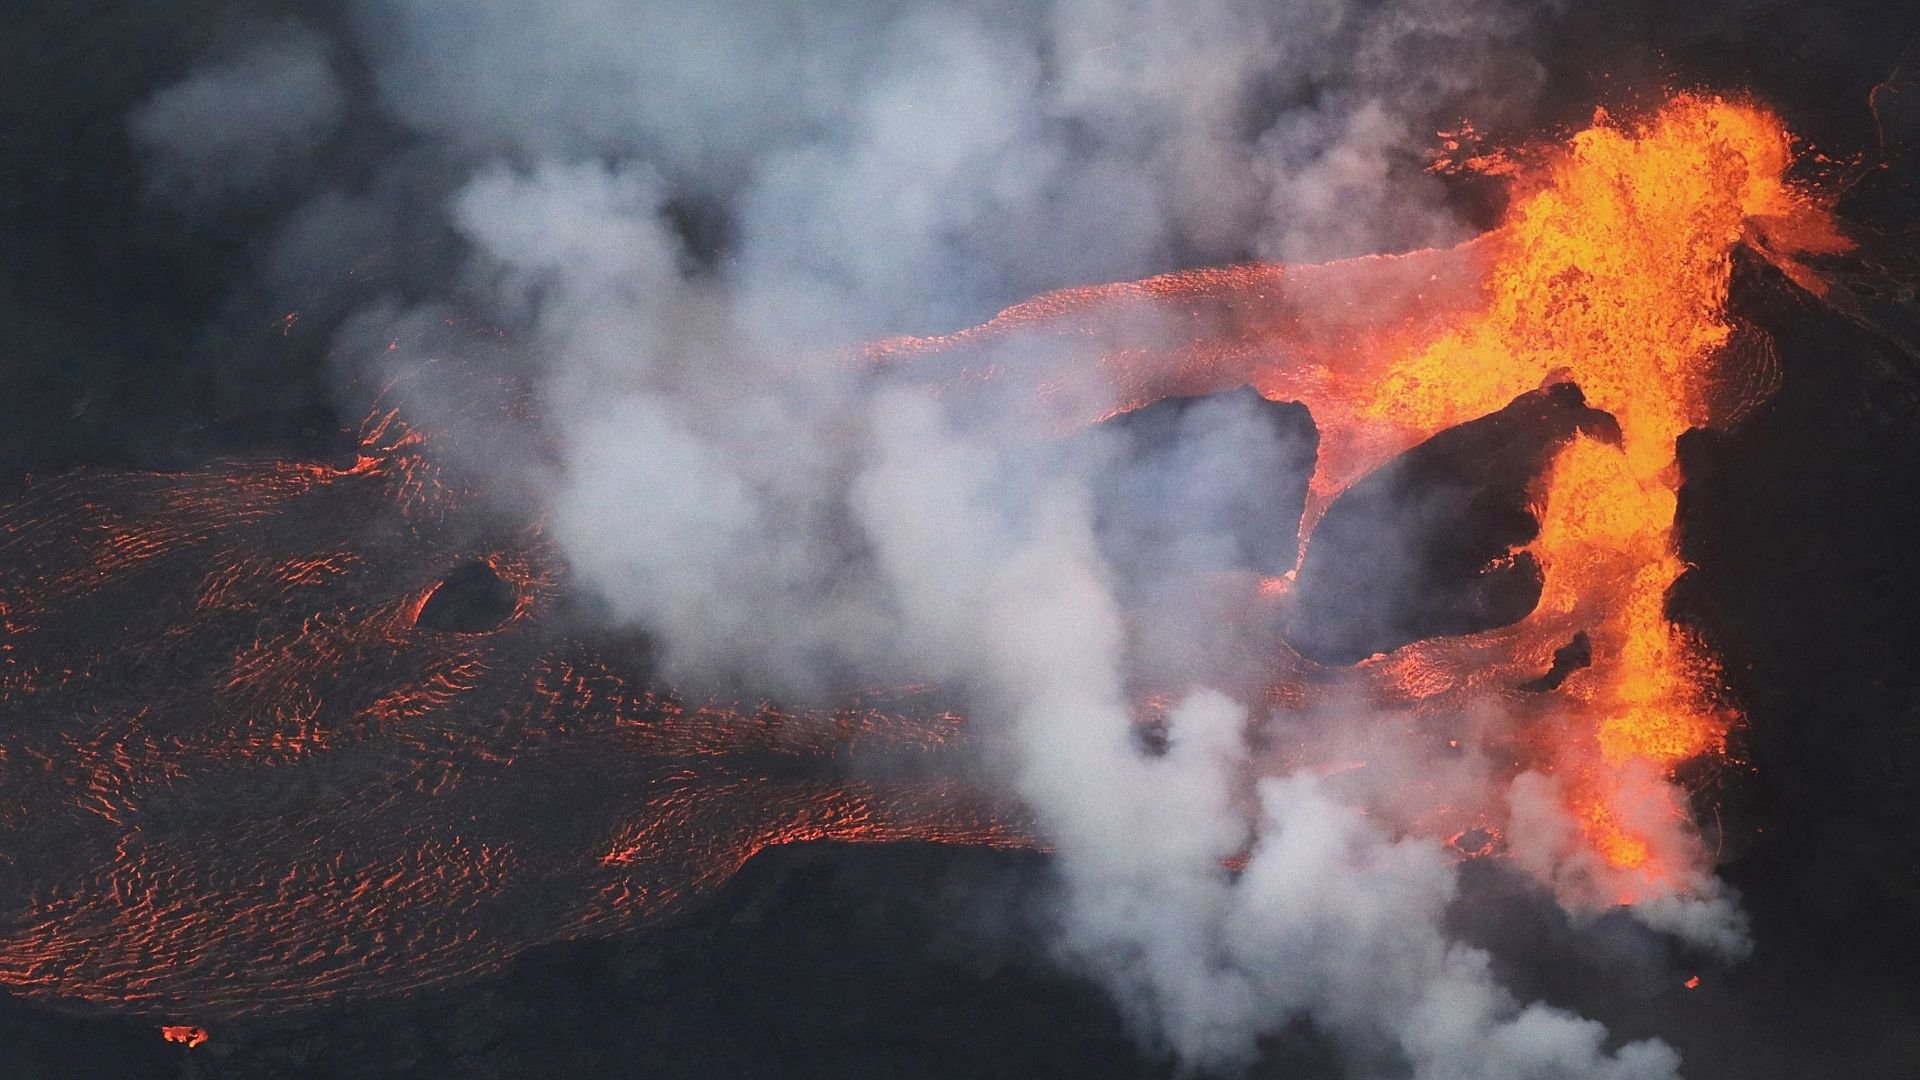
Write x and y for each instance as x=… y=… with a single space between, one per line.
x=244 y=125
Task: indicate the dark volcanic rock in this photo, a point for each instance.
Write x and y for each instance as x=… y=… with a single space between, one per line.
x=1577 y=653
x=470 y=600
x=40 y=1044
x=1419 y=548
x=816 y=961
x=1801 y=526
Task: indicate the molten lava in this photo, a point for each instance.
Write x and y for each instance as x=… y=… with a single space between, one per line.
x=1610 y=271
x=250 y=763
x=1613 y=273
x=186 y=1035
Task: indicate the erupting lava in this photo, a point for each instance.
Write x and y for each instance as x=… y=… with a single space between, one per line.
x=260 y=748
x=1614 y=275
x=1610 y=272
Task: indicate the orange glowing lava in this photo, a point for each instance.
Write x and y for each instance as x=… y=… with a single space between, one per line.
x=1609 y=271
x=185 y=1035
x=1613 y=273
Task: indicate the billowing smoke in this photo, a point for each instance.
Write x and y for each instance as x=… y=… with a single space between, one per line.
x=687 y=214
x=245 y=124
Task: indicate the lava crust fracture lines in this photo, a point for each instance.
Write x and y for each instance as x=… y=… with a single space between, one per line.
x=247 y=772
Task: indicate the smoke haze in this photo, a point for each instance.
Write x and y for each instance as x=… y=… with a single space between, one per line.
x=242 y=125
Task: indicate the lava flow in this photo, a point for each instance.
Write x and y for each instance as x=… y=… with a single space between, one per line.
x=260 y=748
x=1609 y=272
x=276 y=732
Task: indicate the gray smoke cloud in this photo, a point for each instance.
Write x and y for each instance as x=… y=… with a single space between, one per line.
x=726 y=474
x=243 y=125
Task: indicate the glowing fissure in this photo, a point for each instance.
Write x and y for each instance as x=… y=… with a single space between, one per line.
x=241 y=778
x=1614 y=274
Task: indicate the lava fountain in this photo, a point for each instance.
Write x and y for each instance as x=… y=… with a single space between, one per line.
x=1609 y=272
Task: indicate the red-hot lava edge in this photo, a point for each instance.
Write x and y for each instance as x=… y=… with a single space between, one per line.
x=240 y=775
